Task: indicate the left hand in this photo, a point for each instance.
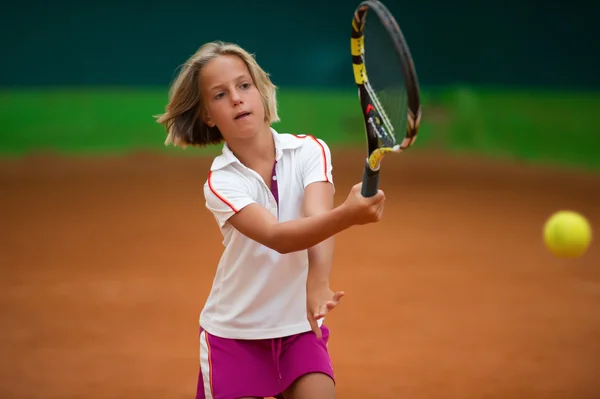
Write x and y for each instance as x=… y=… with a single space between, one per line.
x=320 y=300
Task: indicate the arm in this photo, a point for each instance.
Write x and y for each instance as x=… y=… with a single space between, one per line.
x=257 y=223
x=318 y=199
x=231 y=202
x=320 y=220
x=320 y=299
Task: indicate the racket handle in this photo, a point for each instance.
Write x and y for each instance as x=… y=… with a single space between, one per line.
x=370 y=184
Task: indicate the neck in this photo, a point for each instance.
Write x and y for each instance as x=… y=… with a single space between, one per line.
x=254 y=151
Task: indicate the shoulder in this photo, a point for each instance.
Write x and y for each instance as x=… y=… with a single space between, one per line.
x=298 y=141
x=301 y=140
x=311 y=154
x=227 y=191
x=224 y=179
x=305 y=145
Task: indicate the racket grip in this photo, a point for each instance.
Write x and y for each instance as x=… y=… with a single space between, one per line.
x=370 y=184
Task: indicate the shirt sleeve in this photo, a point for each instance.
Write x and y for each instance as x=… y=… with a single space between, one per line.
x=225 y=195
x=316 y=162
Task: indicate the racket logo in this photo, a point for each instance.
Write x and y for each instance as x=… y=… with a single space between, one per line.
x=378 y=129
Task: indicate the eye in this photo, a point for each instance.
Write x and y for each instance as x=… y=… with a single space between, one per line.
x=219 y=95
x=245 y=86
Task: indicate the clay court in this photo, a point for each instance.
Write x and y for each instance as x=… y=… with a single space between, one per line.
x=106 y=264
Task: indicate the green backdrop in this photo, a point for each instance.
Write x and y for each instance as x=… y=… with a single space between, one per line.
x=516 y=79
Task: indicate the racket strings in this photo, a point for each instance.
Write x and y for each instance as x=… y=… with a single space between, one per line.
x=386 y=84
x=397 y=101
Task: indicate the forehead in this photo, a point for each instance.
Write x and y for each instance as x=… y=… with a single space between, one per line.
x=222 y=69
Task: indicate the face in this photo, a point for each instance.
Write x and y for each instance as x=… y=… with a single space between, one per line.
x=231 y=99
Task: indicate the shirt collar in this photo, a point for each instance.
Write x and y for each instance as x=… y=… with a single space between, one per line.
x=282 y=142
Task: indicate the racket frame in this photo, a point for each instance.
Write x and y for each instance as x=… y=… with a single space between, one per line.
x=381 y=138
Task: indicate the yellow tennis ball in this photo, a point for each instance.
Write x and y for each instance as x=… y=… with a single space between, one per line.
x=567 y=234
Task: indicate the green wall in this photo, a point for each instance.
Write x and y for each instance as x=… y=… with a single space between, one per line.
x=541 y=126
x=88 y=76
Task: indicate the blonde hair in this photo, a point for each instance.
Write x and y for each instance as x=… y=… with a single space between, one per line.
x=183 y=116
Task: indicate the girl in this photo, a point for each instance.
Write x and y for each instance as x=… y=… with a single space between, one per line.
x=272 y=197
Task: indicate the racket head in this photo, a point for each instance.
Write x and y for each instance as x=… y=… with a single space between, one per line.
x=387 y=83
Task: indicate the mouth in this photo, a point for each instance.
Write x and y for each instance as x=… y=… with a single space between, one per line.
x=242 y=115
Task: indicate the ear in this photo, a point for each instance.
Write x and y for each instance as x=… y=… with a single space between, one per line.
x=206 y=119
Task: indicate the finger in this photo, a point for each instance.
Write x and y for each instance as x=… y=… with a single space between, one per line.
x=321 y=312
x=335 y=301
x=331 y=305
x=314 y=326
x=338 y=295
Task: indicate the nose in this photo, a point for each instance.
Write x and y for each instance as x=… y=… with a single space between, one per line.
x=236 y=97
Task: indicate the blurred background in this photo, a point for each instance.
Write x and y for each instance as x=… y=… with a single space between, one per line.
x=107 y=252
x=516 y=79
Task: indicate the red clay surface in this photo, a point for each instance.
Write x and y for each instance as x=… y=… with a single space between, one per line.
x=107 y=263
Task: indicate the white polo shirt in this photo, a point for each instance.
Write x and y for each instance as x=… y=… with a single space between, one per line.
x=258 y=293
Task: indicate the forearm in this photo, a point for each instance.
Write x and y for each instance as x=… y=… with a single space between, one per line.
x=308 y=232
x=320 y=259
x=320 y=256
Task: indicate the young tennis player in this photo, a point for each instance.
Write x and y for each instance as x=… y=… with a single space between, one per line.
x=261 y=329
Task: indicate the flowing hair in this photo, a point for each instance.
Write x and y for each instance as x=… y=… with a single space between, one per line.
x=183 y=117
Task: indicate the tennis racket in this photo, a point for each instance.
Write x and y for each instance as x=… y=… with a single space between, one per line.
x=389 y=95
